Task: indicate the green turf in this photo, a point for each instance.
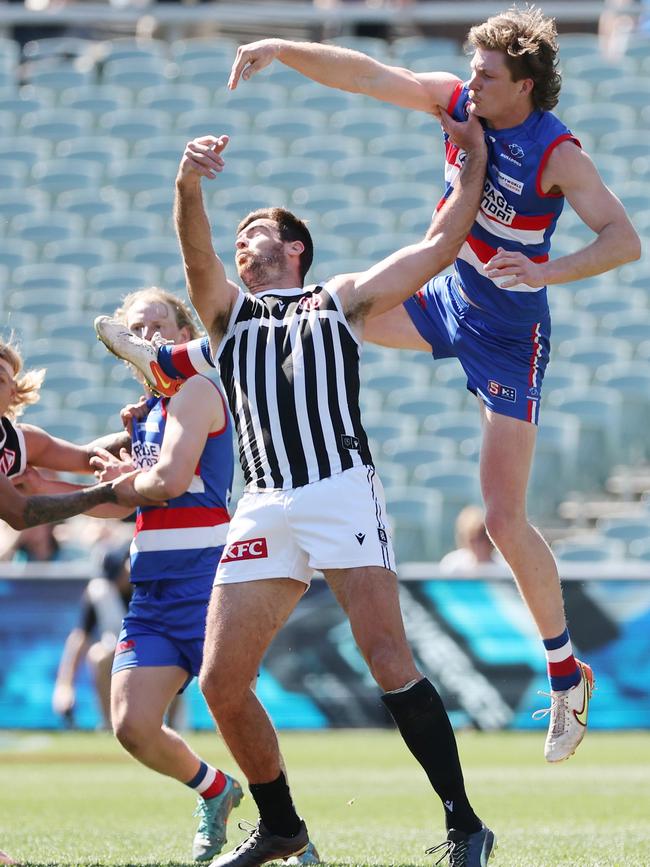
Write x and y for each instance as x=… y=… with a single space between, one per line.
x=79 y=799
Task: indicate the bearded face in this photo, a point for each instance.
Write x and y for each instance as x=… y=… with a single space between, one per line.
x=261 y=262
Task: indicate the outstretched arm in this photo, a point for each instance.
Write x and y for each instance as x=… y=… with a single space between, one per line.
x=20 y=511
x=210 y=291
x=398 y=276
x=52 y=453
x=571 y=171
x=347 y=70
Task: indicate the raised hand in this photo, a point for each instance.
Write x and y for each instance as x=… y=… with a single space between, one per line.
x=202 y=157
x=251 y=58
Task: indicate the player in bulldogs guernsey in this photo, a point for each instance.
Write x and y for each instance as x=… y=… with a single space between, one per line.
x=183 y=446
x=289 y=355
x=492 y=312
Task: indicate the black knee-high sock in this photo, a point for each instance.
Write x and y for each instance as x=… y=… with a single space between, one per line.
x=423 y=723
x=276 y=807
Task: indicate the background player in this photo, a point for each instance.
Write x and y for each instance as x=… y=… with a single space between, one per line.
x=290 y=356
x=493 y=312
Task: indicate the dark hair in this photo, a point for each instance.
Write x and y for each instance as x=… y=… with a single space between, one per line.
x=290 y=227
x=528 y=39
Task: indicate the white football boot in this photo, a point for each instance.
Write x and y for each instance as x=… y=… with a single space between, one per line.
x=143 y=355
x=568 y=710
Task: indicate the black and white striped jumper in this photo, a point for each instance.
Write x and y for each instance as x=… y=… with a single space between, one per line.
x=289 y=362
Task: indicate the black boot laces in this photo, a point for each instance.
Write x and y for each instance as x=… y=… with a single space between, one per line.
x=456 y=850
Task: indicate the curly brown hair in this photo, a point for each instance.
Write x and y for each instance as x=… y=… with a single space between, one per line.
x=28 y=385
x=528 y=40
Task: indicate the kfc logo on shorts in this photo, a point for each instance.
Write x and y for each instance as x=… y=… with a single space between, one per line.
x=248 y=549
x=505 y=392
x=309 y=302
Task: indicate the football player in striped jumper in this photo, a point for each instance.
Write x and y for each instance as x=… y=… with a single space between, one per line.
x=23 y=445
x=492 y=313
x=289 y=359
x=183 y=445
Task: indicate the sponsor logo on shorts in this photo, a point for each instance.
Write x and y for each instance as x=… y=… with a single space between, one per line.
x=349 y=442
x=533 y=393
x=509 y=183
x=360 y=537
x=123 y=646
x=383 y=535
x=247 y=549
x=309 y=302
x=505 y=392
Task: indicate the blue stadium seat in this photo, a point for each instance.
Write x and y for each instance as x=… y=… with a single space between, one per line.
x=626 y=530
x=62 y=175
x=407 y=50
x=97 y=98
x=138 y=175
x=41 y=302
x=14 y=252
x=208 y=48
x=357 y=223
x=288 y=123
x=640 y=549
x=160 y=252
x=422 y=401
x=124 y=276
x=600 y=300
x=588 y=549
x=569 y=324
x=631 y=379
x=377 y=247
x=317 y=147
x=599 y=412
x=458 y=483
x=74 y=327
x=415 y=515
x=598 y=118
x=159 y=202
x=24 y=149
x=312 y=95
x=383 y=425
x=22 y=201
x=135 y=73
x=167 y=147
x=367 y=171
x=55 y=226
x=105 y=406
x=57 y=76
x=133 y=125
x=204 y=71
x=556 y=457
x=60 y=279
x=206 y=121
x=13 y=175
x=375 y=46
x=287 y=173
x=241 y=200
x=97 y=149
x=563 y=373
x=135 y=48
x=457 y=424
x=263 y=97
x=632 y=326
x=54 y=125
x=122 y=227
x=174 y=98
x=417 y=454
x=71 y=426
x=401 y=197
x=92 y=203
x=45 y=351
x=594 y=350
x=594 y=69
x=84 y=252
x=367 y=124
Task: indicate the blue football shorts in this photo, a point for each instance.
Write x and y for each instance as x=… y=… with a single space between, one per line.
x=165 y=625
x=504 y=362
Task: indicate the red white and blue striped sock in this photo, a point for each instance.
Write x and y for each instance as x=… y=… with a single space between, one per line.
x=183 y=361
x=563 y=671
x=208 y=782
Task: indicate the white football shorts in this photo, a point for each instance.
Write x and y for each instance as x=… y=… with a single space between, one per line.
x=335 y=523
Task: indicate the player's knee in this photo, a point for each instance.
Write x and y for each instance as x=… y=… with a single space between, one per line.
x=502 y=525
x=391 y=664
x=131 y=733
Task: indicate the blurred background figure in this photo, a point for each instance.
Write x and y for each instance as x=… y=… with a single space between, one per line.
x=618 y=23
x=36 y=545
x=474 y=545
x=104 y=603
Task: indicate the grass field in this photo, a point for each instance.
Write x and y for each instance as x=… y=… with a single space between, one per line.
x=78 y=799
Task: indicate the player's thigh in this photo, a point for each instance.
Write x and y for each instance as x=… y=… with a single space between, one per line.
x=506 y=457
x=140 y=696
x=243 y=619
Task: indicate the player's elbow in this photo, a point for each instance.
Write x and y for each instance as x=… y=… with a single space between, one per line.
x=631 y=244
x=171 y=485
